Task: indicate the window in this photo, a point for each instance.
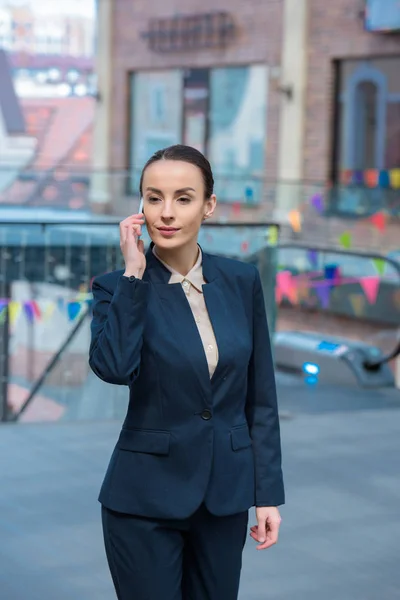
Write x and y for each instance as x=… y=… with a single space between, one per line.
x=366 y=157
x=221 y=112
x=237 y=131
x=156 y=117
x=382 y=15
x=368 y=133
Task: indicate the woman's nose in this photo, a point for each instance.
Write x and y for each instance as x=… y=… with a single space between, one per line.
x=167 y=211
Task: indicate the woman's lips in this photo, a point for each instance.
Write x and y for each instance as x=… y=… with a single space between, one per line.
x=167 y=232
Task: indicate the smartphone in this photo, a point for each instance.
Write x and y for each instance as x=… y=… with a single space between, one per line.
x=139 y=211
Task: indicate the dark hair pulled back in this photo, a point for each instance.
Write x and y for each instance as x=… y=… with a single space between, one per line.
x=186 y=154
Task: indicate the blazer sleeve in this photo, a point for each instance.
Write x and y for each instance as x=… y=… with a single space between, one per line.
x=262 y=410
x=117 y=330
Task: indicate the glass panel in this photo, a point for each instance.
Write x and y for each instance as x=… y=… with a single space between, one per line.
x=237 y=131
x=156 y=116
x=392 y=156
x=195 y=99
x=366 y=125
x=45 y=312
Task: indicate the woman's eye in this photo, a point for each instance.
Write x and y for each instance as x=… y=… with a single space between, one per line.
x=184 y=200
x=153 y=199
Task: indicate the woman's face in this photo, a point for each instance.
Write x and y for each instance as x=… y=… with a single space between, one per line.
x=173 y=203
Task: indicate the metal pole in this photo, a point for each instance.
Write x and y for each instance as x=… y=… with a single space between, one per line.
x=4 y=356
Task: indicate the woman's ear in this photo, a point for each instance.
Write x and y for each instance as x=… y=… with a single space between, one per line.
x=210 y=205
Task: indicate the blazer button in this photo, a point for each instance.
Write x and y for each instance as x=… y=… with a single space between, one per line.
x=206 y=414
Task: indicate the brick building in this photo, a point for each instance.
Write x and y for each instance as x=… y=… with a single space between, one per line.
x=353 y=81
x=271 y=90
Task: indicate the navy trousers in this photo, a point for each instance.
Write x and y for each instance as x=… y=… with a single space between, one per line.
x=198 y=558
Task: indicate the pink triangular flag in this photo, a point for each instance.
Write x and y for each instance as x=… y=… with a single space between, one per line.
x=370 y=285
x=284 y=283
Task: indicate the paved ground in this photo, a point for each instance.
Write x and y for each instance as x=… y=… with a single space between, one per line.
x=340 y=530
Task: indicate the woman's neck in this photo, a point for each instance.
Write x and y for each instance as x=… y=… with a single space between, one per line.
x=179 y=259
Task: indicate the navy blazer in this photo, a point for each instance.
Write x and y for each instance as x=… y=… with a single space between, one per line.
x=186 y=438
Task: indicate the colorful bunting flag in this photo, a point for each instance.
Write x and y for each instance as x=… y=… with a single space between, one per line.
x=284 y=282
x=324 y=295
x=345 y=240
x=47 y=309
x=370 y=285
x=358 y=303
x=371 y=177
x=42 y=309
x=30 y=313
x=331 y=274
x=272 y=235
x=295 y=220
x=395 y=179
x=286 y=287
x=317 y=202
x=384 y=181
x=36 y=309
x=380 y=265
x=379 y=221
x=14 y=311
x=74 y=308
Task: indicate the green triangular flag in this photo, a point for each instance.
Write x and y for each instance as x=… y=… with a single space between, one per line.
x=380 y=265
x=272 y=235
x=345 y=240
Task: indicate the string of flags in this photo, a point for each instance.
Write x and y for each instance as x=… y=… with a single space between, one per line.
x=295 y=216
x=372 y=178
x=43 y=310
x=324 y=283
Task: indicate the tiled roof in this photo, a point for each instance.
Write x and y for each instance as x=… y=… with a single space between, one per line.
x=58 y=174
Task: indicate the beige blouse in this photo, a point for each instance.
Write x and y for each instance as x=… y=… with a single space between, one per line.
x=192 y=286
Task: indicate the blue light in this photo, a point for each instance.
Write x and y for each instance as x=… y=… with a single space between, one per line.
x=311 y=369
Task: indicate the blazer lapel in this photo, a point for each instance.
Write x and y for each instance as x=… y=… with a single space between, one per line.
x=217 y=311
x=177 y=311
x=183 y=326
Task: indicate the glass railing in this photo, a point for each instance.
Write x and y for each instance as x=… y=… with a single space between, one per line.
x=360 y=286
x=46 y=270
x=352 y=217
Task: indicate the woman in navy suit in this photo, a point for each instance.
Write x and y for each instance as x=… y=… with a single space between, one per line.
x=200 y=444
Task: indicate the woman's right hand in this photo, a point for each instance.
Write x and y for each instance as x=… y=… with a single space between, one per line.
x=131 y=247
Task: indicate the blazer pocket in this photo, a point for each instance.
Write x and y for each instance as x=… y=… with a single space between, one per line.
x=240 y=437
x=149 y=442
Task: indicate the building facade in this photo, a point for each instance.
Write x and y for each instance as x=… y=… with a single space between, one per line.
x=22 y=29
x=196 y=76
x=273 y=91
x=353 y=88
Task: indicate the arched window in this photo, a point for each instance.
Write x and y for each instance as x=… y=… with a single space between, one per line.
x=365 y=119
x=365 y=126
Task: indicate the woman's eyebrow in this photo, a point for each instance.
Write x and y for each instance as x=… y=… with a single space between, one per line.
x=185 y=189
x=181 y=191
